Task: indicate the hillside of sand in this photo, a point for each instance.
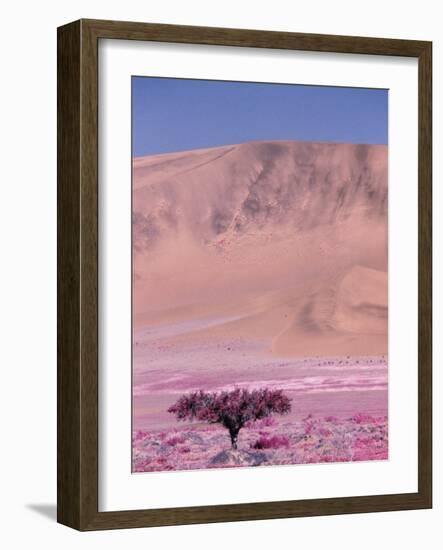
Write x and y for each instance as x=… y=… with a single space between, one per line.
x=279 y=242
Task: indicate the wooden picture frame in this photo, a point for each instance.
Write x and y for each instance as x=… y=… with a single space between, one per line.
x=77 y=455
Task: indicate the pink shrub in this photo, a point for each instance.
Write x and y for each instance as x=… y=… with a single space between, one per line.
x=139 y=435
x=174 y=440
x=274 y=442
x=309 y=427
x=327 y=458
x=362 y=443
x=142 y=465
x=361 y=418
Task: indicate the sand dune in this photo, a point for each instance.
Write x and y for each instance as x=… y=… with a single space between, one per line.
x=282 y=242
x=349 y=318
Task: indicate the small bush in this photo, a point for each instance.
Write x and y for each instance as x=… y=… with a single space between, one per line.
x=309 y=427
x=174 y=440
x=362 y=418
x=138 y=435
x=274 y=442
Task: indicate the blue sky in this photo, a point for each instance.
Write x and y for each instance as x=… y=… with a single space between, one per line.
x=179 y=114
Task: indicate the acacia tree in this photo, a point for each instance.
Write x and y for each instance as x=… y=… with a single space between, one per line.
x=232 y=409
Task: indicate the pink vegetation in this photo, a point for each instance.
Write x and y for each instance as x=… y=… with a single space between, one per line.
x=311 y=440
x=274 y=442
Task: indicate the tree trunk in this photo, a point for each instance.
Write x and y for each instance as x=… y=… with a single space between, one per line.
x=234 y=434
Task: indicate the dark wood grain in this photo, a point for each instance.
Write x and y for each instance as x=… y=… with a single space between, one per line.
x=77 y=457
x=68 y=276
x=425 y=274
x=254 y=38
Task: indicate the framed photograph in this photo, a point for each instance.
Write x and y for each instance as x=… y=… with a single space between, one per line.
x=244 y=275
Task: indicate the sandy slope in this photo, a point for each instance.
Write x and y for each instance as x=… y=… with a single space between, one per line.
x=284 y=241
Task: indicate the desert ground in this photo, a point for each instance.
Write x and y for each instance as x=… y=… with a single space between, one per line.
x=262 y=264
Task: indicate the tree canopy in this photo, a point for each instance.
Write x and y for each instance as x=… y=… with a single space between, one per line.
x=233 y=409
